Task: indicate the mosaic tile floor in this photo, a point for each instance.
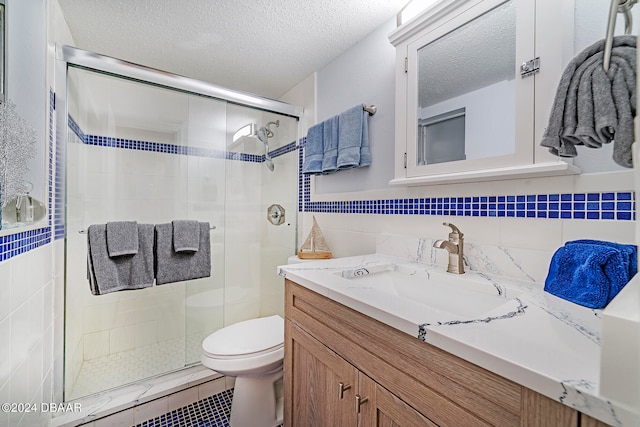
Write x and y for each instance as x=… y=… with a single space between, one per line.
x=210 y=412
x=114 y=370
x=213 y=411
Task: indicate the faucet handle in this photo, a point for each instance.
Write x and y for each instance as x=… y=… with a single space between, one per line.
x=455 y=230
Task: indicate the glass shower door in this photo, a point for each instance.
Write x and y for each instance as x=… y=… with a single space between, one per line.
x=142 y=153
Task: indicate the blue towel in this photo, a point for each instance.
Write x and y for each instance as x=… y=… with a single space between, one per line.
x=629 y=257
x=353 y=138
x=313 y=150
x=590 y=273
x=331 y=141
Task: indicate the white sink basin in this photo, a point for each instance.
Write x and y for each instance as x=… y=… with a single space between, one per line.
x=469 y=295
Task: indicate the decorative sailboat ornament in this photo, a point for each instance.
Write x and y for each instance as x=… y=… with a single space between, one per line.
x=315 y=246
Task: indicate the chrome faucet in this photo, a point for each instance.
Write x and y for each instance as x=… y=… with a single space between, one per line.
x=455 y=247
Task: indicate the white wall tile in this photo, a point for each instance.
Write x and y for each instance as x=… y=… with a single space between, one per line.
x=5 y=350
x=20 y=286
x=5 y=289
x=121 y=339
x=182 y=398
x=150 y=410
x=145 y=333
x=96 y=345
x=211 y=388
x=119 y=419
x=19 y=335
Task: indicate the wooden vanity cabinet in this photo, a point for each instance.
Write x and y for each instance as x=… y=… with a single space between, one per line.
x=343 y=368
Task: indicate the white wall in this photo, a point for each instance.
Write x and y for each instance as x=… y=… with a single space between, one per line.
x=361 y=76
x=355 y=233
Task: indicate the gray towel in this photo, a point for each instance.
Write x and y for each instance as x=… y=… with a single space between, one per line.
x=172 y=266
x=122 y=238
x=186 y=235
x=120 y=273
x=353 y=138
x=313 y=150
x=592 y=107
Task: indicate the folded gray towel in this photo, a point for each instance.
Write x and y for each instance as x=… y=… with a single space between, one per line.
x=172 y=266
x=592 y=107
x=186 y=235
x=120 y=273
x=122 y=238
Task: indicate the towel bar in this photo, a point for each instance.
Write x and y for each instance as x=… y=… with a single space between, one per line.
x=84 y=231
x=371 y=109
x=617 y=6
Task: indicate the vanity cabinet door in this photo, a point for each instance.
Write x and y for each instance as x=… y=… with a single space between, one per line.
x=383 y=409
x=320 y=386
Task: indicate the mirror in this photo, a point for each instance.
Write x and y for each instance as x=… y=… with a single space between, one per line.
x=466 y=90
x=26 y=100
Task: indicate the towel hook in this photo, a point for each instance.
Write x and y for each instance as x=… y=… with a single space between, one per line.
x=617 y=6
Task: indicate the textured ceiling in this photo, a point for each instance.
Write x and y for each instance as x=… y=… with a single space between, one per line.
x=265 y=47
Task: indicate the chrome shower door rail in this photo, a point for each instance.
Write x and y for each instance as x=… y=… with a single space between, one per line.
x=107 y=64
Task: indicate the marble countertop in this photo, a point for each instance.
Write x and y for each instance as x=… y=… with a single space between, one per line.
x=533 y=338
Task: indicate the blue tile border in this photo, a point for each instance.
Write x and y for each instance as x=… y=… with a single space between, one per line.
x=611 y=205
x=132 y=144
x=18 y=243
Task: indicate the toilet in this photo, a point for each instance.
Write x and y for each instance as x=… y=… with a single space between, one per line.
x=253 y=352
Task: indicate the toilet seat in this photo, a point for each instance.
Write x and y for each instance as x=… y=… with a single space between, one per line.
x=249 y=338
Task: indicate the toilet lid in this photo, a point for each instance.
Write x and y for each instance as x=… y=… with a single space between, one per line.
x=247 y=337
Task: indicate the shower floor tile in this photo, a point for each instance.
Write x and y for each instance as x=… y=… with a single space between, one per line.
x=115 y=370
x=214 y=411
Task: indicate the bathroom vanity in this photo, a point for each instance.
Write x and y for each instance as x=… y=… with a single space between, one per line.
x=356 y=355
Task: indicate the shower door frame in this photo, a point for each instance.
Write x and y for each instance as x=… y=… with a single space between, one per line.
x=68 y=55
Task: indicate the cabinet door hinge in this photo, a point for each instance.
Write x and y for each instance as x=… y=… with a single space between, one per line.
x=530 y=67
x=406 y=64
x=405 y=160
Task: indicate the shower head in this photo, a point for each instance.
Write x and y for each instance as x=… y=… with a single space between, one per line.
x=269 y=163
x=261 y=134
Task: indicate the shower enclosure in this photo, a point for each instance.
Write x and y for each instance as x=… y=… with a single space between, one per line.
x=145 y=151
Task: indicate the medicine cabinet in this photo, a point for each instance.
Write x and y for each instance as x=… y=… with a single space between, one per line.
x=466 y=75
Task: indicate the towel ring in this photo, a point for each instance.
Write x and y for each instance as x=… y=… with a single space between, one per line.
x=617 y=6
